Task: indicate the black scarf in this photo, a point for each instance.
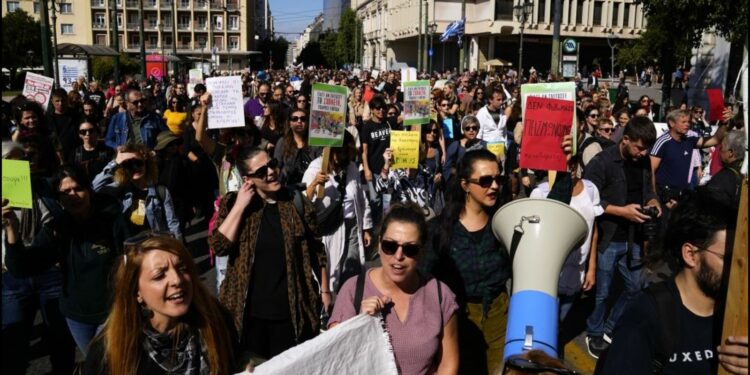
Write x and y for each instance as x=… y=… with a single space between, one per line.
x=180 y=355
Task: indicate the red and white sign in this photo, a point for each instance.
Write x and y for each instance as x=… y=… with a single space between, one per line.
x=38 y=88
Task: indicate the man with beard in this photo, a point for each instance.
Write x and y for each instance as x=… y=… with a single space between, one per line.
x=670 y=326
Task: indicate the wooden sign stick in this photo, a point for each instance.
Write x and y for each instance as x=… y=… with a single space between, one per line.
x=320 y=192
x=735 y=313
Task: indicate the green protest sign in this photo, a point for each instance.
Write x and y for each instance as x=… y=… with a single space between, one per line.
x=416 y=102
x=17 y=183
x=327 y=115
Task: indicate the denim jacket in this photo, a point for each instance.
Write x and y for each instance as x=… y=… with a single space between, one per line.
x=119 y=127
x=161 y=216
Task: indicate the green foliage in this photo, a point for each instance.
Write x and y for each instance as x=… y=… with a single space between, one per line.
x=274 y=50
x=689 y=19
x=350 y=30
x=329 y=49
x=22 y=35
x=103 y=67
x=311 y=55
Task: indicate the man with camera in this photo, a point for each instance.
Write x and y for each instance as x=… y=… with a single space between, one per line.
x=623 y=176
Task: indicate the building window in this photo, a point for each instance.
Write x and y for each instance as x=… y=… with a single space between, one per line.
x=234 y=23
x=12 y=6
x=184 y=41
x=99 y=20
x=504 y=10
x=219 y=43
x=153 y=40
x=36 y=7
x=167 y=40
x=626 y=16
x=541 y=4
x=218 y=22
x=100 y=39
x=201 y=42
x=200 y=22
x=598 y=5
x=613 y=10
x=234 y=43
x=66 y=8
x=579 y=12
x=66 y=28
x=184 y=21
x=119 y=20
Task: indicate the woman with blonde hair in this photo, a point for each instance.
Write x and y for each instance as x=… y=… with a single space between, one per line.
x=163 y=319
x=133 y=178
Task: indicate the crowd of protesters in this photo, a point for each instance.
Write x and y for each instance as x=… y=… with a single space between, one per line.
x=119 y=173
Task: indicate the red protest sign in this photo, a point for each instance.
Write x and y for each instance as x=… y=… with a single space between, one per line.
x=715 y=104
x=545 y=123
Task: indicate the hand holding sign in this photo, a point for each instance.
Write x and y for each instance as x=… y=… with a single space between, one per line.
x=546 y=123
x=17 y=183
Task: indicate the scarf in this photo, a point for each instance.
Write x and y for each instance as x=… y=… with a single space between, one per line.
x=180 y=355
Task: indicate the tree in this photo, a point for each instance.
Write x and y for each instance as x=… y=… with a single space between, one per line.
x=328 y=41
x=102 y=67
x=349 y=31
x=274 y=49
x=22 y=35
x=311 y=55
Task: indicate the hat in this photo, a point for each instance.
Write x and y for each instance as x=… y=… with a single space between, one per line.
x=164 y=139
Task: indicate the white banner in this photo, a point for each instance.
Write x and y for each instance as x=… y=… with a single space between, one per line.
x=70 y=70
x=226 y=109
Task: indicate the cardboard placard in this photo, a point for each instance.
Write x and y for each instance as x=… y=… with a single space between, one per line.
x=417 y=102
x=226 y=109
x=405 y=147
x=545 y=123
x=38 y=88
x=17 y=183
x=715 y=104
x=497 y=148
x=327 y=115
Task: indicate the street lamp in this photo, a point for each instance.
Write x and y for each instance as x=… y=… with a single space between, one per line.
x=54 y=42
x=522 y=11
x=610 y=40
x=431 y=28
x=30 y=55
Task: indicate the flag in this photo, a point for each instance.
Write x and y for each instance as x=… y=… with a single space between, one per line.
x=455 y=28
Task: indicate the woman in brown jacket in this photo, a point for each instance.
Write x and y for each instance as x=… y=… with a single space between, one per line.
x=276 y=264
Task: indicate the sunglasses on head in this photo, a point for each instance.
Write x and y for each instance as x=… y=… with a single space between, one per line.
x=262 y=172
x=132 y=164
x=298 y=118
x=86 y=131
x=471 y=129
x=390 y=247
x=486 y=181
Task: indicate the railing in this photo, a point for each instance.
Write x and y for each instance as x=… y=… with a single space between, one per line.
x=233 y=7
x=201 y=4
x=202 y=27
x=97 y=4
x=165 y=4
x=134 y=45
x=217 y=5
x=98 y=26
x=183 y=5
x=150 y=4
x=133 y=25
x=131 y=4
x=183 y=26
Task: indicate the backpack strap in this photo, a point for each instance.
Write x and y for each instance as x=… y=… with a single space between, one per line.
x=359 y=290
x=668 y=320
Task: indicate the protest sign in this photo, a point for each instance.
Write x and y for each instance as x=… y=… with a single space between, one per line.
x=405 y=147
x=17 y=183
x=545 y=123
x=333 y=352
x=327 y=115
x=448 y=128
x=497 y=148
x=555 y=90
x=439 y=84
x=195 y=76
x=375 y=73
x=70 y=70
x=715 y=104
x=416 y=102
x=226 y=109
x=38 y=88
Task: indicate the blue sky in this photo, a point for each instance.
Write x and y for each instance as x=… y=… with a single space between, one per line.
x=292 y=16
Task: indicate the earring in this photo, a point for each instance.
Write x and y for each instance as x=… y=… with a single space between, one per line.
x=146 y=313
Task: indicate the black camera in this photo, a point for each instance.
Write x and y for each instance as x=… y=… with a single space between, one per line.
x=651 y=226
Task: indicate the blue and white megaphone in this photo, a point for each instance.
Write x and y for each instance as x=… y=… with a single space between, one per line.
x=539 y=234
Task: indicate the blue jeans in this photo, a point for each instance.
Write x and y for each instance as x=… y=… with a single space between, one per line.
x=83 y=333
x=21 y=299
x=614 y=257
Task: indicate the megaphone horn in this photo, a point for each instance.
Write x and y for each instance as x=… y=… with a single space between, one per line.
x=539 y=234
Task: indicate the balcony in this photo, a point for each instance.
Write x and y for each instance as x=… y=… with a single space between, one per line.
x=151 y=26
x=97 y=3
x=217 y=5
x=98 y=26
x=134 y=25
x=184 y=45
x=201 y=27
x=233 y=6
x=131 y=4
x=201 y=5
x=134 y=45
x=183 y=26
x=165 y=4
x=151 y=4
x=183 y=5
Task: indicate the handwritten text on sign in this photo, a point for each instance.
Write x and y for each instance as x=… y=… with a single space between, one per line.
x=17 y=183
x=226 y=110
x=546 y=122
x=405 y=146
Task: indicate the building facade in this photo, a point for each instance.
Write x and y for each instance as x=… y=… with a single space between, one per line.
x=218 y=30
x=311 y=34
x=332 y=10
x=391 y=29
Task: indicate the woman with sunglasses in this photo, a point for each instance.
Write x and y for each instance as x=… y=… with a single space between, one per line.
x=591 y=119
x=133 y=178
x=419 y=311
x=271 y=286
x=293 y=152
x=465 y=254
x=470 y=128
x=301 y=103
x=176 y=116
x=343 y=212
x=85 y=240
x=91 y=156
x=163 y=319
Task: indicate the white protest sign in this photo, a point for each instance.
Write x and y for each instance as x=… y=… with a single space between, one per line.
x=408 y=74
x=226 y=108
x=661 y=128
x=38 y=88
x=333 y=352
x=70 y=70
x=195 y=76
x=439 y=84
x=375 y=73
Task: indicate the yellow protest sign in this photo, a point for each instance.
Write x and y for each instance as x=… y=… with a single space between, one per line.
x=497 y=148
x=405 y=147
x=17 y=183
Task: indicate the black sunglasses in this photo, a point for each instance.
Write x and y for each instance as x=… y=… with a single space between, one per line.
x=471 y=129
x=298 y=118
x=262 y=172
x=301 y=100
x=516 y=362
x=137 y=102
x=133 y=164
x=606 y=130
x=486 y=181
x=594 y=115
x=390 y=247
x=86 y=131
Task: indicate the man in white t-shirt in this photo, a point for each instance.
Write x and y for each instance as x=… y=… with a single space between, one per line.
x=492 y=119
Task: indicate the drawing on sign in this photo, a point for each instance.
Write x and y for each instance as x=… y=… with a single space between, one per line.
x=416 y=102
x=328 y=115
